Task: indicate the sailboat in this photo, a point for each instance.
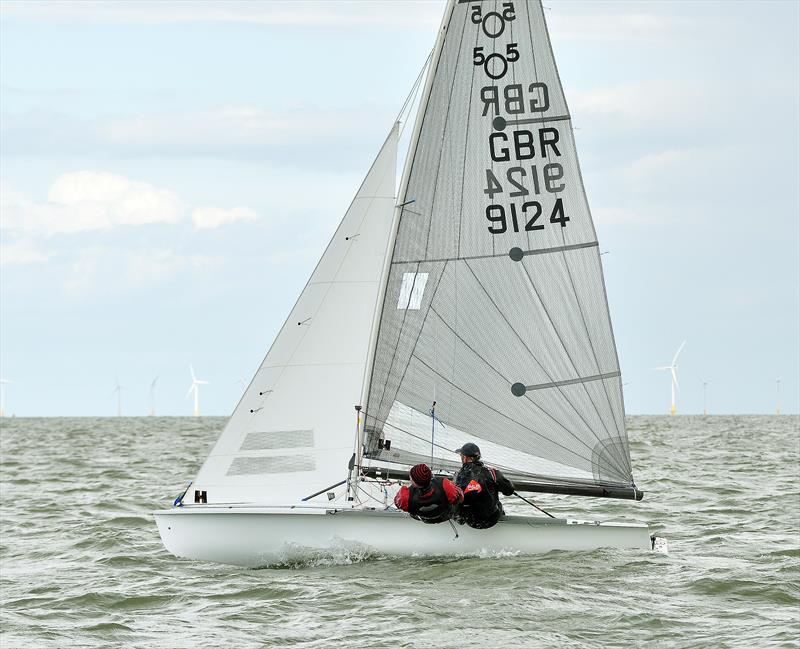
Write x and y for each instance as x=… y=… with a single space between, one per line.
x=468 y=305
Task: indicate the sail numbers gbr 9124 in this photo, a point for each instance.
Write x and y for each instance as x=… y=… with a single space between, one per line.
x=537 y=171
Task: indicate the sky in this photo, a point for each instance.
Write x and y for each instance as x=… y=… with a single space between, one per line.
x=171 y=172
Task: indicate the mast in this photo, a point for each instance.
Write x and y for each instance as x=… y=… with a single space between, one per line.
x=379 y=306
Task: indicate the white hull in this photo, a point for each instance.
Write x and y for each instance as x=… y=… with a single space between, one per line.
x=260 y=536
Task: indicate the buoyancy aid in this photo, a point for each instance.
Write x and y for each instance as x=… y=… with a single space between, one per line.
x=429 y=504
x=481 y=506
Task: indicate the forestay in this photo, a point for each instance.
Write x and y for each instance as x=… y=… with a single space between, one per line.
x=292 y=433
x=495 y=305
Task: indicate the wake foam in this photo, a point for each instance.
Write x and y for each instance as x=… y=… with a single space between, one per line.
x=339 y=553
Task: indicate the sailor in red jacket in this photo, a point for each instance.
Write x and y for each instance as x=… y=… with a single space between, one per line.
x=430 y=499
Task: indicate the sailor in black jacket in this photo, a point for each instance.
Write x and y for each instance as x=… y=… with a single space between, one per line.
x=480 y=484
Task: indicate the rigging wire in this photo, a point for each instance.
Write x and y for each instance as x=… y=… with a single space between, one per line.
x=384 y=484
x=533 y=504
x=412 y=95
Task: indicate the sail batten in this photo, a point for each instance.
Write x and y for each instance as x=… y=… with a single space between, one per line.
x=509 y=335
x=579 y=379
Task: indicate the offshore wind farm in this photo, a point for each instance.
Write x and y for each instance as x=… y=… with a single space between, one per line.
x=132 y=408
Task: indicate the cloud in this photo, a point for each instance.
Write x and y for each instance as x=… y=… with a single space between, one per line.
x=620 y=216
x=22 y=252
x=304 y=135
x=101 y=269
x=85 y=201
x=651 y=104
x=606 y=23
x=89 y=200
x=386 y=13
x=147 y=267
x=98 y=262
x=695 y=184
x=222 y=129
x=690 y=173
x=213 y=217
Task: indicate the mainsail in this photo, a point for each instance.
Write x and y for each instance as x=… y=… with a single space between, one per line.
x=474 y=310
x=494 y=326
x=292 y=432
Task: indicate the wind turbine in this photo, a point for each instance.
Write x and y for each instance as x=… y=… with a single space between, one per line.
x=193 y=388
x=118 y=391
x=153 y=397
x=778 y=397
x=3 y=396
x=672 y=367
x=705 y=409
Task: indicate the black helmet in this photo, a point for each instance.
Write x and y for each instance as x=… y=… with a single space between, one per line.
x=470 y=450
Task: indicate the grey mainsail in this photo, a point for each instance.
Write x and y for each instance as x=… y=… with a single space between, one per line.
x=494 y=325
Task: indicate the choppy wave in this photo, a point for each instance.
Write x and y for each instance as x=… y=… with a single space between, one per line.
x=81 y=564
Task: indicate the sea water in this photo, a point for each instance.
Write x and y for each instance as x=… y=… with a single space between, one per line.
x=82 y=565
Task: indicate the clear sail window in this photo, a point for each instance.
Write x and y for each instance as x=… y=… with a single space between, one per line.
x=411 y=290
